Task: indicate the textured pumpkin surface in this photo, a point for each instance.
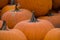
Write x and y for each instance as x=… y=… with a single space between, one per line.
x=54 y=34
x=7 y=8
x=55 y=19
x=3 y=3
x=13 y=17
x=34 y=30
x=40 y=7
x=56 y=3
x=13 y=34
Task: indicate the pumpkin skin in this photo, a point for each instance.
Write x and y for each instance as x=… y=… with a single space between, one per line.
x=41 y=7
x=10 y=34
x=8 y=7
x=54 y=34
x=13 y=34
x=54 y=19
x=3 y=3
x=34 y=30
x=13 y=17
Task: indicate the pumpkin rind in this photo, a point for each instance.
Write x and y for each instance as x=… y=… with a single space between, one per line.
x=13 y=34
x=13 y=17
x=8 y=7
x=41 y=7
x=54 y=34
x=34 y=30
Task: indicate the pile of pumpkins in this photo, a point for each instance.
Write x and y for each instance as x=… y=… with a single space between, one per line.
x=29 y=19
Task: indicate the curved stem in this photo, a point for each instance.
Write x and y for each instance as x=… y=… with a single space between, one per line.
x=12 y=2
x=33 y=19
x=3 y=26
x=16 y=8
x=49 y=13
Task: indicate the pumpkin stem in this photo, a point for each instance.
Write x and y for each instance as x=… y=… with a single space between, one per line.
x=3 y=26
x=12 y=2
x=49 y=13
x=33 y=19
x=16 y=8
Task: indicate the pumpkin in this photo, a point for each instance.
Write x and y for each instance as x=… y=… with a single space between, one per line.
x=34 y=29
x=14 y=16
x=3 y=3
x=41 y=7
x=12 y=34
x=56 y=4
x=53 y=34
x=53 y=18
x=8 y=7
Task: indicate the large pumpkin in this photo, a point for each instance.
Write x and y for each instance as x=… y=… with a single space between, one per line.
x=54 y=34
x=13 y=34
x=41 y=7
x=54 y=18
x=3 y=3
x=11 y=6
x=14 y=16
x=34 y=29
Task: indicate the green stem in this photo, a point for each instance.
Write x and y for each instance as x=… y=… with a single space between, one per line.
x=3 y=26
x=49 y=13
x=16 y=8
x=33 y=19
x=12 y=2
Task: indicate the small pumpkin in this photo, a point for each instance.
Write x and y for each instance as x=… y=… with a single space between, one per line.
x=34 y=29
x=8 y=7
x=53 y=18
x=3 y=3
x=53 y=34
x=41 y=7
x=12 y=34
x=12 y=17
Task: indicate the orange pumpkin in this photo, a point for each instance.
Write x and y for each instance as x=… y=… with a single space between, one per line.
x=14 y=16
x=41 y=7
x=11 y=6
x=54 y=34
x=53 y=18
x=3 y=3
x=13 y=34
x=34 y=29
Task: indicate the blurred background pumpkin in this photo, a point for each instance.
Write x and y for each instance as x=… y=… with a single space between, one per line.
x=41 y=7
x=53 y=34
x=8 y=7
